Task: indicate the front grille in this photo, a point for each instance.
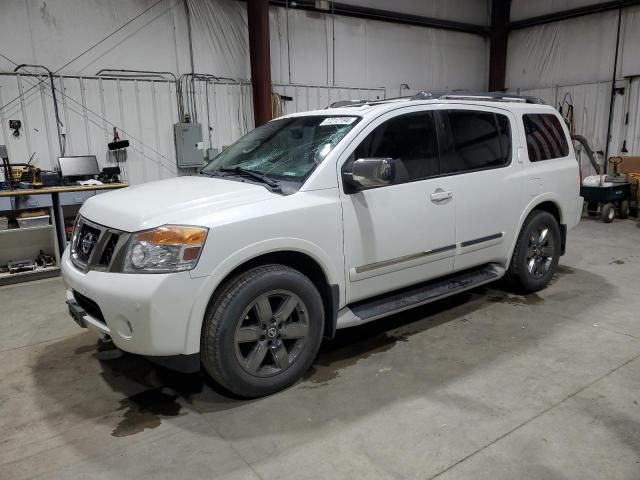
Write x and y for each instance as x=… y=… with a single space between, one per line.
x=95 y=247
x=109 y=249
x=86 y=242
x=89 y=306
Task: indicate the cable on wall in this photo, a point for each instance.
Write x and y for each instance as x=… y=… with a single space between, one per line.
x=59 y=124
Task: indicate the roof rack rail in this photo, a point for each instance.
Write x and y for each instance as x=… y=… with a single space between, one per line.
x=455 y=95
x=347 y=103
x=357 y=103
x=483 y=96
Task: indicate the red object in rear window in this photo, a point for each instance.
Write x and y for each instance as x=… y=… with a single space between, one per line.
x=545 y=137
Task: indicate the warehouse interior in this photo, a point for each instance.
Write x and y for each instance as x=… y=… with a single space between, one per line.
x=490 y=383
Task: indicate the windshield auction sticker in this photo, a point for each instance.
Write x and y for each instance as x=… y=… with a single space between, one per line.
x=338 y=121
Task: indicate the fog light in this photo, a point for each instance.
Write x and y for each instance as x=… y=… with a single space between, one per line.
x=123 y=328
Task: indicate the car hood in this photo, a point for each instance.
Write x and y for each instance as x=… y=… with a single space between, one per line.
x=176 y=200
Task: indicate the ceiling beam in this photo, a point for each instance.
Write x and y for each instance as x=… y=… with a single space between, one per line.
x=344 y=9
x=572 y=13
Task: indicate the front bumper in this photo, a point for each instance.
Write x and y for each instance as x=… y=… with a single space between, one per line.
x=146 y=314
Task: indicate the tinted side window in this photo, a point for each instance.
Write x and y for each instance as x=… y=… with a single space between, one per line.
x=475 y=141
x=545 y=137
x=411 y=140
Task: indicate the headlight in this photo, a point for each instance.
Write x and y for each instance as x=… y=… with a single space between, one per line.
x=170 y=248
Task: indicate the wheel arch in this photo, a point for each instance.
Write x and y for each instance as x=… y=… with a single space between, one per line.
x=550 y=207
x=302 y=260
x=545 y=203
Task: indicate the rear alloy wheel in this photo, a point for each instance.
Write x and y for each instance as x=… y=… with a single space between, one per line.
x=262 y=330
x=537 y=252
x=540 y=252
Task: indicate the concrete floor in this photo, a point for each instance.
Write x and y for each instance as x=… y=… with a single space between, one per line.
x=486 y=385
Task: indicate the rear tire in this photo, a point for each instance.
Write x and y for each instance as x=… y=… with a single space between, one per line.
x=608 y=212
x=262 y=331
x=537 y=252
x=623 y=211
x=592 y=209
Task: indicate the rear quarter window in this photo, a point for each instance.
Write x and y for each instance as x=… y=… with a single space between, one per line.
x=545 y=137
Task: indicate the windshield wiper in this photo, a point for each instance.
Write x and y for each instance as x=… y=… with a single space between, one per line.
x=250 y=173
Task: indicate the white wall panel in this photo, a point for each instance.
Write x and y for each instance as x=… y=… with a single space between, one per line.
x=568 y=52
x=373 y=53
x=630 y=43
x=53 y=32
x=220 y=37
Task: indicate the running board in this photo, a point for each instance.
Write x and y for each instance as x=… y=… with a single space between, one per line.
x=400 y=300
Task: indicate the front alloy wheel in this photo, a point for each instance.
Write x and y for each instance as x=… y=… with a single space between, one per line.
x=271 y=333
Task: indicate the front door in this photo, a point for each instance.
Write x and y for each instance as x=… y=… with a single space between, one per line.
x=404 y=233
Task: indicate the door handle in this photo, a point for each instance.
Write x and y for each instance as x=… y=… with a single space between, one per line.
x=441 y=195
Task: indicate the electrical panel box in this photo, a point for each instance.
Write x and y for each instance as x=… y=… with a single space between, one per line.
x=189 y=145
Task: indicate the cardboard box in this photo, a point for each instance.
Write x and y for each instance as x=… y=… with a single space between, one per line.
x=629 y=165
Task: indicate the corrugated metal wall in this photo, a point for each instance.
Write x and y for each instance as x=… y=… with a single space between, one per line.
x=144 y=112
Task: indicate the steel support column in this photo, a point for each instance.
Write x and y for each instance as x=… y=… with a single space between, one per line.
x=500 y=11
x=260 y=59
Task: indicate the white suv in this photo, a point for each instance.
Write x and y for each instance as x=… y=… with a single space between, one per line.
x=323 y=220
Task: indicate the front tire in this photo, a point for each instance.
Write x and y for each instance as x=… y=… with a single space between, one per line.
x=537 y=252
x=262 y=331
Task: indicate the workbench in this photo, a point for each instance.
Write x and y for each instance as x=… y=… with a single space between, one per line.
x=26 y=243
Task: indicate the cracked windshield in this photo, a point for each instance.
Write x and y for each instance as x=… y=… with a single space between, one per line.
x=287 y=149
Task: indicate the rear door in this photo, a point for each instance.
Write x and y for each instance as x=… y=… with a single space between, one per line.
x=477 y=150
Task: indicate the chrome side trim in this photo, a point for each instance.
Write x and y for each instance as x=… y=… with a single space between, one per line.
x=488 y=238
x=406 y=258
x=399 y=263
x=480 y=243
x=407 y=261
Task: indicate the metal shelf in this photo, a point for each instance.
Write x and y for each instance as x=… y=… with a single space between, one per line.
x=7 y=278
x=27 y=229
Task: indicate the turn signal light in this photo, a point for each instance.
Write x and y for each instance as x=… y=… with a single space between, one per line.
x=174 y=235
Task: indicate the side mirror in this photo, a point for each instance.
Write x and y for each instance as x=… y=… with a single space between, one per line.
x=371 y=172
